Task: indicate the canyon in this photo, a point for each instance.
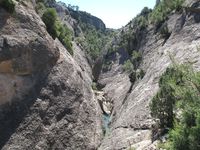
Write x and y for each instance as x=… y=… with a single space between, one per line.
x=50 y=99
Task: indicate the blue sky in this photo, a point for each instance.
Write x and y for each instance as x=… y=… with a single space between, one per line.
x=114 y=13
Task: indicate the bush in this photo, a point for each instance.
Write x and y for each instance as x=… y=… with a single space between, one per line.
x=112 y=49
x=106 y=66
x=128 y=66
x=178 y=101
x=94 y=40
x=133 y=77
x=164 y=31
x=179 y=138
x=50 y=19
x=8 y=5
x=142 y=22
x=162 y=105
x=140 y=74
x=65 y=37
x=40 y=8
x=94 y=86
x=163 y=8
x=136 y=58
x=145 y=12
x=56 y=29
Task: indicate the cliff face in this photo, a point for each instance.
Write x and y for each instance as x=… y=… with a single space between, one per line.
x=24 y=43
x=82 y=16
x=88 y=19
x=46 y=95
x=131 y=121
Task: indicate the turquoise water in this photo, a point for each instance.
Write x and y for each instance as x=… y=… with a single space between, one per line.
x=106 y=121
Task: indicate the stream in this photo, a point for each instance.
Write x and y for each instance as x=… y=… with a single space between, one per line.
x=106 y=121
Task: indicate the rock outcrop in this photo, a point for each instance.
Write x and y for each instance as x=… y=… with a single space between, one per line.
x=46 y=100
x=46 y=96
x=131 y=121
x=27 y=52
x=88 y=19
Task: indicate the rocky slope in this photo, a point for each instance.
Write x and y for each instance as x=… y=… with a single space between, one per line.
x=131 y=121
x=84 y=17
x=46 y=95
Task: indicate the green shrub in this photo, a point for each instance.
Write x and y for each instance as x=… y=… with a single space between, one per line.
x=179 y=140
x=136 y=58
x=162 y=105
x=194 y=137
x=95 y=45
x=50 y=19
x=40 y=8
x=8 y=5
x=164 y=31
x=128 y=66
x=56 y=29
x=65 y=37
x=106 y=66
x=112 y=49
x=133 y=76
x=94 y=86
x=142 y=22
x=125 y=38
x=94 y=40
x=140 y=74
x=145 y=12
x=163 y=8
x=178 y=101
x=132 y=148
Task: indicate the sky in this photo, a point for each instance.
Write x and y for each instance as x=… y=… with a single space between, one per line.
x=114 y=13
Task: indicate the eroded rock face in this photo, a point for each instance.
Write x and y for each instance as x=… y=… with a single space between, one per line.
x=64 y=116
x=46 y=100
x=88 y=19
x=132 y=119
x=27 y=52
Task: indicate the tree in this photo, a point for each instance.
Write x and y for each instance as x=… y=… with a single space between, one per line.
x=8 y=5
x=50 y=17
x=162 y=105
x=177 y=103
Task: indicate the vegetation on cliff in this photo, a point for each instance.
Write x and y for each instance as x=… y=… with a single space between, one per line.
x=162 y=10
x=89 y=31
x=8 y=5
x=56 y=29
x=54 y=26
x=49 y=17
x=176 y=105
x=93 y=40
x=135 y=31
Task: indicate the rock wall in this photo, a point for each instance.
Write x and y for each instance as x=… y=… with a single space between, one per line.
x=88 y=19
x=131 y=121
x=27 y=52
x=46 y=100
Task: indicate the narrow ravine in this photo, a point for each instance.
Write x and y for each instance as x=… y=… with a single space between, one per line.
x=106 y=107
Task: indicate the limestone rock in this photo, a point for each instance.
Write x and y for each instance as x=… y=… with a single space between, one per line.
x=131 y=111
x=27 y=52
x=46 y=98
